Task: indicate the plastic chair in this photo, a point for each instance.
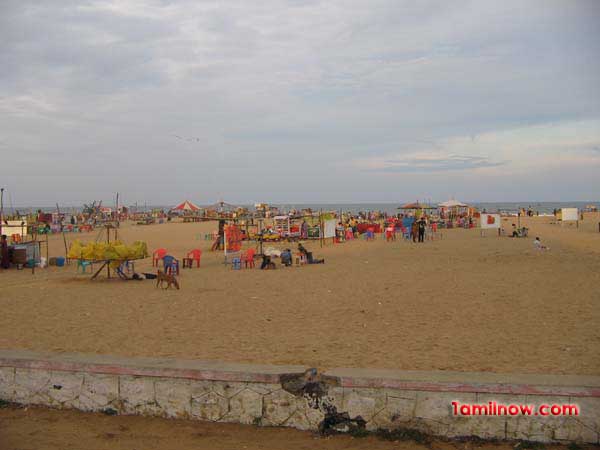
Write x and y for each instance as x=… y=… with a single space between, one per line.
x=248 y=258
x=195 y=255
x=170 y=264
x=157 y=255
x=83 y=264
x=236 y=263
x=16 y=238
x=349 y=235
x=301 y=259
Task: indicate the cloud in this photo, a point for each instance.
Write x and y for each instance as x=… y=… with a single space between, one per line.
x=300 y=93
x=426 y=163
x=438 y=163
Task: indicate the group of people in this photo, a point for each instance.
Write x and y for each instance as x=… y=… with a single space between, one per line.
x=418 y=229
x=287 y=258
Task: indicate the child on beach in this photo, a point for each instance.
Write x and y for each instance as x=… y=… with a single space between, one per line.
x=537 y=243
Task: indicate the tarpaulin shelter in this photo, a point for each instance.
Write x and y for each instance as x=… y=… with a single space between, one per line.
x=454 y=208
x=417 y=206
x=453 y=204
x=186 y=206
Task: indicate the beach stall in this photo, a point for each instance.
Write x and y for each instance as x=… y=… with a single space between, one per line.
x=186 y=206
x=286 y=228
x=453 y=210
x=16 y=230
x=417 y=209
x=111 y=254
x=27 y=253
x=188 y=211
x=221 y=210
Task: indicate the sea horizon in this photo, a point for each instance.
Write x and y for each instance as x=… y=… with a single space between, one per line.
x=353 y=207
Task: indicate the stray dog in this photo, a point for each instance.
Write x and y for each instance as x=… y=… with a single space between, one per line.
x=170 y=279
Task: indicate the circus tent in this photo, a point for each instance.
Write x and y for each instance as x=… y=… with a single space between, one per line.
x=186 y=206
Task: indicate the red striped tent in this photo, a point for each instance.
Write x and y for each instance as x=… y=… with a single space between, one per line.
x=186 y=206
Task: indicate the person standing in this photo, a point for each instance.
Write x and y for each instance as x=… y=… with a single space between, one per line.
x=422 y=226
x=5 y=263
x=414 y=229
x=304 y=230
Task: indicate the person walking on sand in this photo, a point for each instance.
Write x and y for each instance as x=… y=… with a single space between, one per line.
x=414 y=230
x=422 y=226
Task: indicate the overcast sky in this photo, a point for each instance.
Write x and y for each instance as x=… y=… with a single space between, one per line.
x=299 y=101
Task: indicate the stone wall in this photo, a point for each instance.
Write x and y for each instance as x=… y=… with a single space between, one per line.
x=294 y=396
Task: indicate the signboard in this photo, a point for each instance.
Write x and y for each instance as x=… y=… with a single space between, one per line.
x=329 y=228
x=488 y=221
x=233 y=239
x=569 y=214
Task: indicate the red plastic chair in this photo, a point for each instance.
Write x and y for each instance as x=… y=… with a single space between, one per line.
x=195 y=255
x=157 y=255
x=248 y=258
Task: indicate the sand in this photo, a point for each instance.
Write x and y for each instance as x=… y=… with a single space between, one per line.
x=35 y=428
x=465 y=302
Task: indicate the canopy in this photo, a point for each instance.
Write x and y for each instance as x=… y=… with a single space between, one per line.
x=452 y=204
x=221 y=207
x=417 y=205
x=186 y=206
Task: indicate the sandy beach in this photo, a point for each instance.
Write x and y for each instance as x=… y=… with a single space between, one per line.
x=461 y=302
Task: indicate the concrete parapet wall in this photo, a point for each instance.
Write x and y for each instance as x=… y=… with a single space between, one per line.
x=300 y=397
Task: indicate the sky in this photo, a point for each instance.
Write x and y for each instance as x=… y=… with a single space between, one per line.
x=299 y=101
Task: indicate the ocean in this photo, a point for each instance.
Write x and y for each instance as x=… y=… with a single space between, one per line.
x=390 y=208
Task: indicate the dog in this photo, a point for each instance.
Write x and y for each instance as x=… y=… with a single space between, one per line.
x=170 y=279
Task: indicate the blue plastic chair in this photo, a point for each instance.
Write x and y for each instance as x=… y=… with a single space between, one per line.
x=236 y=263
x=83 y=264
x=170 y=264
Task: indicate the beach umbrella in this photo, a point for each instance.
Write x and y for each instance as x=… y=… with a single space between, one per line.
x=186 y=206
